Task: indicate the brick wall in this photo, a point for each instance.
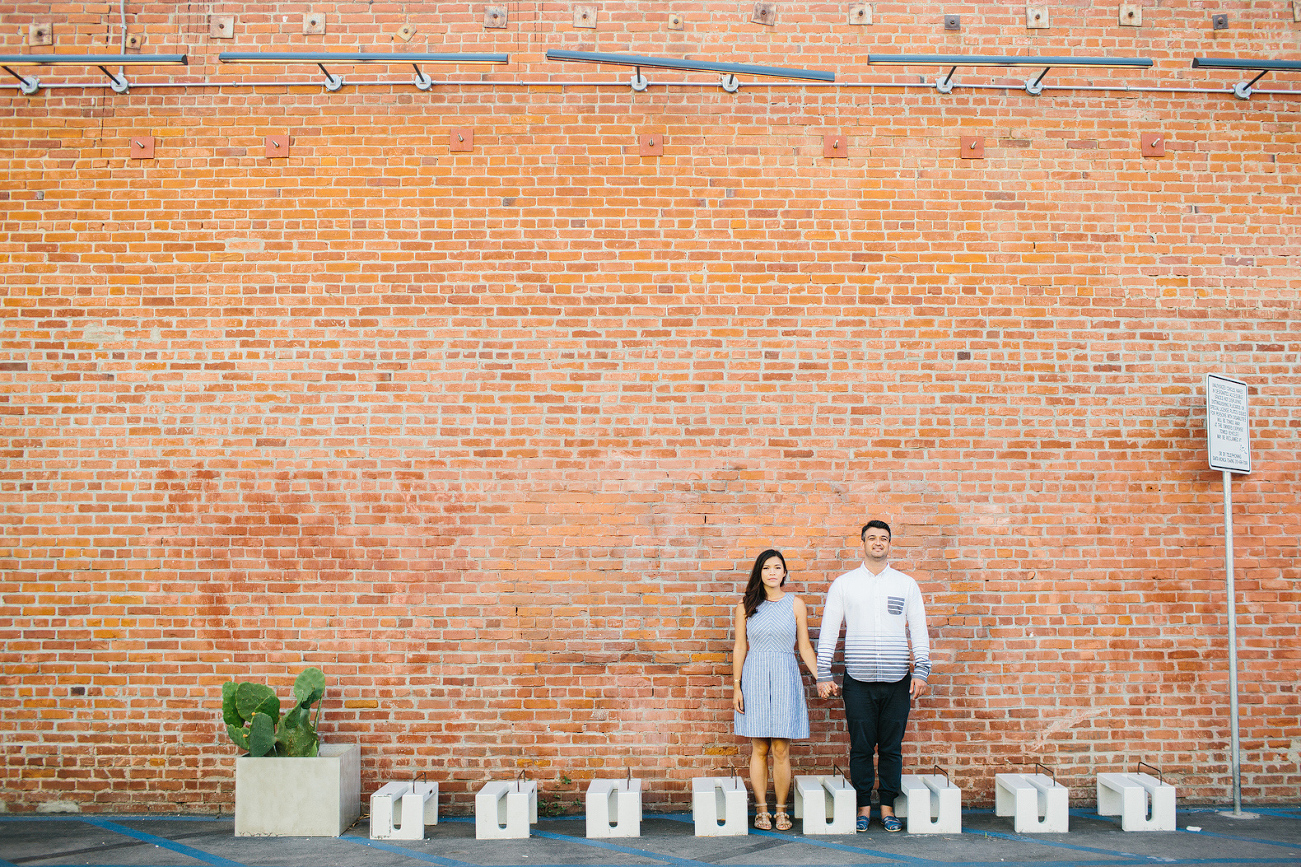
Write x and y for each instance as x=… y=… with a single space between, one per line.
x=492 y=436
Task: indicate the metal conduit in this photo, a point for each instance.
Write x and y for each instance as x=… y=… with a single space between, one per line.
x=623 y=84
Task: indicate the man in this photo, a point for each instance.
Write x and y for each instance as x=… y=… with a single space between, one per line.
x=881 y=609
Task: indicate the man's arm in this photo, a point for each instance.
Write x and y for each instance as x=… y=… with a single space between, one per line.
x=828 y=638
x=921 y=642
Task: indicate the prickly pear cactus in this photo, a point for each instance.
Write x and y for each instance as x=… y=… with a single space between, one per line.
x=253 y=720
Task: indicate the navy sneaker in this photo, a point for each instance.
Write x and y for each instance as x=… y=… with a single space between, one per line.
x=891 y=823
x=861 y=824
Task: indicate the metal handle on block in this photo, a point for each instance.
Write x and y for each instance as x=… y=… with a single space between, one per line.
x=1153 y=767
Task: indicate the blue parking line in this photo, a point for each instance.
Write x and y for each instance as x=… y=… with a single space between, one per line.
x=161 y=842
x=1110 y=862
x=1278 y=812
x=1021 y=838
x=615 y=847
x=1244 y=839
x=842 y=847
x=410 y=853
x=823 y=844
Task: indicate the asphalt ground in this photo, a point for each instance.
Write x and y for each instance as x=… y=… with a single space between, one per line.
x=1204 y=837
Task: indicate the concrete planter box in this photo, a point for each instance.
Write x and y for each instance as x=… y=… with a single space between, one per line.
x=277 y=797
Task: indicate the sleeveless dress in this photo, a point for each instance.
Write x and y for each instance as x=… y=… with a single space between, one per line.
x=770 y=678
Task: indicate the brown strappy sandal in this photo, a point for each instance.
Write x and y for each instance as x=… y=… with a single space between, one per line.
x=763 y=820
x=782 y=820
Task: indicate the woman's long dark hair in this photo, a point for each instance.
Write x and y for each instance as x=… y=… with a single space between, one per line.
x=754 y=591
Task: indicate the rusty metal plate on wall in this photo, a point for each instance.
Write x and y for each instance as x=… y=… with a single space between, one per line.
x=651 y=144
x=142 y=147
x=277 y=146
x=765 y=14
x=1153 y=144
x=221 y=26
x=973 y=147
x=835 y=147
x=461 y=139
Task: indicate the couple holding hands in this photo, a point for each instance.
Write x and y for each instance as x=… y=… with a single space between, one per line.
x=881 y=610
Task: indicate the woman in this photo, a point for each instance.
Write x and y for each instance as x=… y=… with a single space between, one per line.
x=767 y=691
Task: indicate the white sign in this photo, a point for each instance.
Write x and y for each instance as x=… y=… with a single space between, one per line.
x=1228 y=442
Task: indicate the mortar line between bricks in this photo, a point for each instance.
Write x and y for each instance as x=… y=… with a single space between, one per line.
x=163 y=842
x=359 y=840
x=615 y=847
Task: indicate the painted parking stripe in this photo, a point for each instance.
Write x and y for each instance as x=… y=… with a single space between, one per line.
x=1071 y=847
x=842 y=847
x=824 y=844
x=626 y=850
x=1243 y=839
x=402 y=850
x=162 y=842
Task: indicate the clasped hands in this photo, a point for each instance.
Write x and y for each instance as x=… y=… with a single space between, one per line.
x=828 y=688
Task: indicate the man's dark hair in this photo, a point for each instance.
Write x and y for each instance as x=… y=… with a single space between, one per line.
x=875 y=525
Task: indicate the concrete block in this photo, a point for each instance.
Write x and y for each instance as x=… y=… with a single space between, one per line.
x=505 y=810
x=1142 y=801
x=930 y=803
x=719 y=807
x=614 y=808
x=415 y=805
x=1036 y=803
x=827 y=804
x=289 y=797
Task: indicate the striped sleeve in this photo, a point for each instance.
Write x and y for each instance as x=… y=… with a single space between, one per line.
x=829 y=630
x=918 y=634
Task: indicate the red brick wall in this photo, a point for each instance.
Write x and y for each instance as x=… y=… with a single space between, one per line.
x=492 y=437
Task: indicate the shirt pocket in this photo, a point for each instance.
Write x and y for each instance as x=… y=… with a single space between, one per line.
x=894 y=604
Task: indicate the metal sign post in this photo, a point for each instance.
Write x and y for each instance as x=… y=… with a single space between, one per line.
x=1228 y=448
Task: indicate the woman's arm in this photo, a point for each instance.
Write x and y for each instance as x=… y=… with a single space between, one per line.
x=738 y=660
x=802 y=642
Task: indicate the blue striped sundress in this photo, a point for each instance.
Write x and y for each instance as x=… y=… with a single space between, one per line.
x=770 y=678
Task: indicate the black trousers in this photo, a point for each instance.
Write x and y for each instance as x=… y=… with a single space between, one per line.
x=877 y=714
